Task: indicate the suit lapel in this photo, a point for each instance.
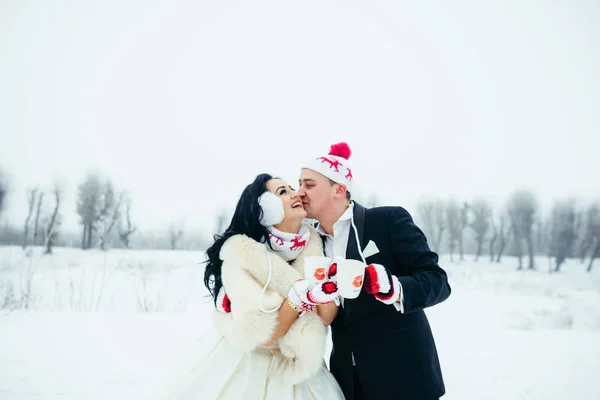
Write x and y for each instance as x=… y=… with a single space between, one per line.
x=352 y=248
x=359 y=221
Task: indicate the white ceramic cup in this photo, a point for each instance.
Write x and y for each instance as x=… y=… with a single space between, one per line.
x=350 y=276
x=316 y=268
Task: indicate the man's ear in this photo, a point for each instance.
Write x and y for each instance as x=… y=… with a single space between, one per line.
x=340 y=191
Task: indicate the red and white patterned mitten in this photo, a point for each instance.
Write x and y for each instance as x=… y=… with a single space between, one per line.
x=304 y=294
x=223 y=302
x=381 y=283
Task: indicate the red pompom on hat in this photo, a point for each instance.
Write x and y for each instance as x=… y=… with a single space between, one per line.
x=334 y=165
x=341 y=150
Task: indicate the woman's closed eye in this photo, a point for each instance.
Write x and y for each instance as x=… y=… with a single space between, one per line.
x=284 y=190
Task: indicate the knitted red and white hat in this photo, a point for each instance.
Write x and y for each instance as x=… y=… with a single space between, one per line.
x=334 y=165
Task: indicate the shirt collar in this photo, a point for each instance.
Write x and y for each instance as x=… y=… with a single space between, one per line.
x=344 y=219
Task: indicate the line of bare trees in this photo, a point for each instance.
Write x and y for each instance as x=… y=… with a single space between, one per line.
x=519 y=228
x=104 y=214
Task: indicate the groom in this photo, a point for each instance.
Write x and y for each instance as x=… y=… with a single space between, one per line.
x=383 y=347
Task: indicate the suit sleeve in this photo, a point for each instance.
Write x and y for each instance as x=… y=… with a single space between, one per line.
x=426 y=283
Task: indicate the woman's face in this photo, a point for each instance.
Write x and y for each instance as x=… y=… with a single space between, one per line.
x=292 y=204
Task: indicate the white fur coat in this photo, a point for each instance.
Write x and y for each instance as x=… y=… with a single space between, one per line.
x=244 y=273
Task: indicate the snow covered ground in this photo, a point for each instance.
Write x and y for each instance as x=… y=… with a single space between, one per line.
x=503 y=334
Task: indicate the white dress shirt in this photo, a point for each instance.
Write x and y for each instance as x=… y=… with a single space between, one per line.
x=337 y=243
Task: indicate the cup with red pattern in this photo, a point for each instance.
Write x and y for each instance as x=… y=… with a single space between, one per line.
x=350 y=277
x=316 y=268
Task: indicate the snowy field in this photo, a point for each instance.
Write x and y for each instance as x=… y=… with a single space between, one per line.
x=92 y=325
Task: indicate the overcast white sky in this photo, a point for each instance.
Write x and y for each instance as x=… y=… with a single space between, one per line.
x=183 y=103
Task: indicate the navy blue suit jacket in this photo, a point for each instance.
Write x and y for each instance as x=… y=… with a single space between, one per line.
x=395 y=353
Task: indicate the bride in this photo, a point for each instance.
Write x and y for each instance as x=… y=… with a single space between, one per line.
x=269 y=324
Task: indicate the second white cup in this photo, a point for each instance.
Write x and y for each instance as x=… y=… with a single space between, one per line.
x=350 y=276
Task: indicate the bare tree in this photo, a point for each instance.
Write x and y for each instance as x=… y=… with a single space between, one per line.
x=3 y=190
x=522 y=208
x=565 y=224
x=36 y=229
x=595 y=254
x=425 y=212
x=586 y=243
x=31 y=198
x=89 y=205
x=463 y=223
x=51 y=231
x=481 y=211
x=504 y=235
x=126 y=228
x=453 y=222
x=176 y=237
x=432 y=213
x=109 y=215
x=518 y=244
x=440 y=221
x=592 y=217
x=494 y=234
x=587 y=232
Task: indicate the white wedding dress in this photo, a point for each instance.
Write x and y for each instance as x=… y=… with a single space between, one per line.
x=215 y=370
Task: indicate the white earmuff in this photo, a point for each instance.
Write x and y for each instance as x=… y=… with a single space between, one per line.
x=272 y=209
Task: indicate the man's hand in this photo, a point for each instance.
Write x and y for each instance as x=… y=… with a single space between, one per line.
x=381 y=283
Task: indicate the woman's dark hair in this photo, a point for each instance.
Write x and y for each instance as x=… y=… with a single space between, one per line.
x=245 y=221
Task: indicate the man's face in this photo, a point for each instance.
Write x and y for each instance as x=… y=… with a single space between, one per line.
x=317 y=193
